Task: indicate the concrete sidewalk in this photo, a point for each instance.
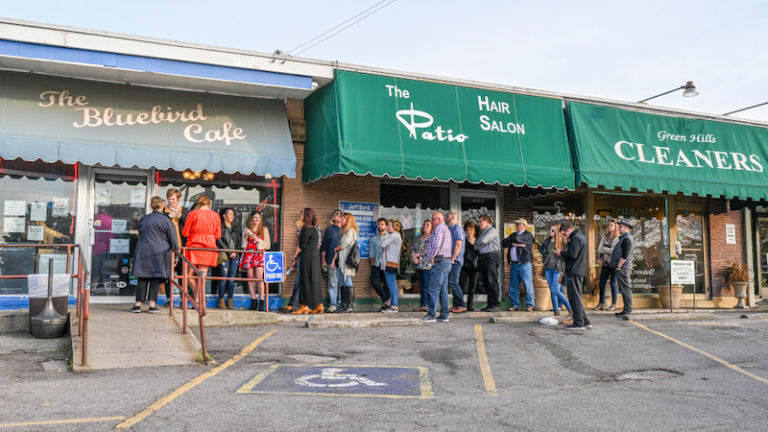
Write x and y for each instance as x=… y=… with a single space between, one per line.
x=121 y=339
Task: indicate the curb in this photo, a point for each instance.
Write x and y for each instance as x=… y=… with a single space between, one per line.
x=311 y=323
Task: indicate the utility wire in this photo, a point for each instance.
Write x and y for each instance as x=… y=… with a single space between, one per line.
x=340 y=27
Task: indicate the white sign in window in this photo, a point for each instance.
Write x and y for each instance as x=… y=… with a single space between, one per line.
x=730 y=234
x=15 y=208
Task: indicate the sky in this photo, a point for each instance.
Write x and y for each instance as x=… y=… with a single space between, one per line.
x=622 y=50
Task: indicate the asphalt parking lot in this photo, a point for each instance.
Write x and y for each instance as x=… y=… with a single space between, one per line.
x=464 y=375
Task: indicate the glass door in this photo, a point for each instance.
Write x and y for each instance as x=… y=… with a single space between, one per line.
x=762 y=251
x=473 y=205
x=119 y=202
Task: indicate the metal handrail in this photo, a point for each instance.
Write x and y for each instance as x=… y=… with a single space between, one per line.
x=198 y=302
x=83 y=294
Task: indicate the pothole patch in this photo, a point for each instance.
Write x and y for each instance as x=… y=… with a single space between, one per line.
x=311 y=358
x=647 y=375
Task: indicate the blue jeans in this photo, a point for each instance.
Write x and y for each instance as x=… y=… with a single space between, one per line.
x=453 y=283
x=423 y=287
x=605 y=273
x=555 y=290
x=391 y=278
x=517 y=273
x=333 y=286
x=438 y=288
x=228 y=269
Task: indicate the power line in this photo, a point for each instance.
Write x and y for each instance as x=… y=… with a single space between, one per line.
x=340 y=27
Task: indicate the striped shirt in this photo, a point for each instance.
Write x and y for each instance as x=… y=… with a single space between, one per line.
x=440 y=243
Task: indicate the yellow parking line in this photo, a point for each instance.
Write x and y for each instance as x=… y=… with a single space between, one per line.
x=165 y=400
x=705 y=354
x=485 y=367
x=60 y=422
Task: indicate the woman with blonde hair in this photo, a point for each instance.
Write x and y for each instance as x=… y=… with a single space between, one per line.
x=256 y=238
x=604 y=250
x=553 y=266
x=390 y=261
x=348 y=239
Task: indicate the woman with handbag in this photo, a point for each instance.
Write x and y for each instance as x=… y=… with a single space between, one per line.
x=605 y=249
x=256 y=238
x=553 y=267
x=418 y=250
x=471 y=268
x=390 y=261
x=228 y=261
x=348 y=239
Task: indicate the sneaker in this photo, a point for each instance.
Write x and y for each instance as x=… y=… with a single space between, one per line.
x=153 y=310
x=589 y=326
x=391 y=309
x=490 y=309
x=331 y=309
x=626 y=317
x=621 y=315
x=443 y=319
x=428 y=319
x=574 y=327
x=383 y=307
x=135 y=309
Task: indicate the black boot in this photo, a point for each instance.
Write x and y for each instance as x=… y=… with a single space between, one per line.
x=344 y=305
x=254 y=304
x=350 y=299
x=262 y=306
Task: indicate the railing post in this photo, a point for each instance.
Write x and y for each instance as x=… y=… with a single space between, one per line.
x=183 y=296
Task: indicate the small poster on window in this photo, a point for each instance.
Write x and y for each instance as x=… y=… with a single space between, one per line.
x=35 y=232
x=138 y=198
x=13 y=224
x=103 y=197
x=119 y=226
x=60 y=206
x=37 y=212
x=119 y=246
x=15 y=208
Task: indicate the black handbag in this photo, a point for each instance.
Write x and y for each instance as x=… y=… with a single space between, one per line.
x=353 y=257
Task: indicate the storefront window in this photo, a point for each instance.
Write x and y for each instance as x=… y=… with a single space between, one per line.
x=411 y=205
x=37 y=206
x=690 y=245
x=647 y=215
x=556 y=209
x=244 y=194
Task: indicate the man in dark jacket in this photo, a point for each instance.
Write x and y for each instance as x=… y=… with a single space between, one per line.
x=520 y=244
x=575 y=257
x=152 y=258
x=621 y=261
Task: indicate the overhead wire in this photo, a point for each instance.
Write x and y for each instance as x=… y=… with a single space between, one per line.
x=333 y=31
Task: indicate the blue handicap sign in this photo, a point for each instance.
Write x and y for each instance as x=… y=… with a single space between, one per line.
x=342 y=380
x=274 y=267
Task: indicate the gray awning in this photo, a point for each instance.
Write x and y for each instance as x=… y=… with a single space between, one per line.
x=59 y=119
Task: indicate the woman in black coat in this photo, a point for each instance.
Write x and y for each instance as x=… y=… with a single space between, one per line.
x=152 y=258
x=308 y=252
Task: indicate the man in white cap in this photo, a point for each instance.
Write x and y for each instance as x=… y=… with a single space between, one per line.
x=621 y=261
x=520 y=244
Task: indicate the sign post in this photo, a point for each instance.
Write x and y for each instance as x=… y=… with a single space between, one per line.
x=683 y=273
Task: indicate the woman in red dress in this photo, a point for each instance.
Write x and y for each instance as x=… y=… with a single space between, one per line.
x=202 y=228
x=255 y=237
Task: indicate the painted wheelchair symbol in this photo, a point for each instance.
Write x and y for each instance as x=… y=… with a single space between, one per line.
x=272 y=265
x=333 y=379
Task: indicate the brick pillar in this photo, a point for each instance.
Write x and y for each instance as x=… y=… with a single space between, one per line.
x=722 y=254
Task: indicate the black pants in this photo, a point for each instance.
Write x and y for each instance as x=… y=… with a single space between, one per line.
x=625 y=287
x=489 y=272
x=468 y=283
x=148 y=287
x=574 y=284
x=379 y=284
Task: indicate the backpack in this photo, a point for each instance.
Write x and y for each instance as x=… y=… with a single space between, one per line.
x=353 y=257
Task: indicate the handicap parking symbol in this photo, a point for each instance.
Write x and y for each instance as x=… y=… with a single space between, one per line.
x=274 y=267
x=339 y=380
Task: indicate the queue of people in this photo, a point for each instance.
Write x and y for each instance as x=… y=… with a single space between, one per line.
x=449 y=261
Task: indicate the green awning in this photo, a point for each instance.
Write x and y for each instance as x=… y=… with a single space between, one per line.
x=401 y=128
x=615 y=147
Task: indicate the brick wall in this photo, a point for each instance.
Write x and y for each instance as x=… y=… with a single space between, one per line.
x=323 y=196
x=721 y=254
x=515 y=208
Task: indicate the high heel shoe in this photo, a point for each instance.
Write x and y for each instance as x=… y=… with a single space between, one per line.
x=301 y=310
x=318 y=310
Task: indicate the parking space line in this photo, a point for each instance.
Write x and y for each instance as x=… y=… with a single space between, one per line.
x=165 y=400
x=485 y=367
x=705 y=354
x=60 y=422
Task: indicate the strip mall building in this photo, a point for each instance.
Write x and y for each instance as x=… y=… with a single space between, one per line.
x=94 y=124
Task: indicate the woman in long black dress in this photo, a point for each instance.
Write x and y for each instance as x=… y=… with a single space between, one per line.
x=309 y=279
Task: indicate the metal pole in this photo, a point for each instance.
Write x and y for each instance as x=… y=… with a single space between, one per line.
x=669 y=254
x=183 y=297
x=50 y=278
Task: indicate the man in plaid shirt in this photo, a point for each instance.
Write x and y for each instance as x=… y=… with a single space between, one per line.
x=439 y=252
